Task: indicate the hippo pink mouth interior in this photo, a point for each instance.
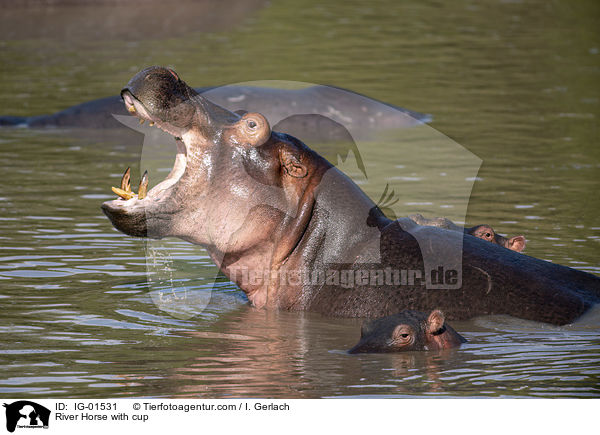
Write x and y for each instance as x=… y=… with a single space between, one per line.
x=127 y=197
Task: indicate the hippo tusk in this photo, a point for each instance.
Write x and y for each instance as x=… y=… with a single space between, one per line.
x=123 y=194
x=143 y=186
x=125 y=190
x=126 y=180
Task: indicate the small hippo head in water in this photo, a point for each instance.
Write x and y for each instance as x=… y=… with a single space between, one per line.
x=407 y=330
x=485 y=232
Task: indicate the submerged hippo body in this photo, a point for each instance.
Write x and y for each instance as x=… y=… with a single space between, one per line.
x=276 y=105
x=407 y=330
x=484 y=232
x=269 y=211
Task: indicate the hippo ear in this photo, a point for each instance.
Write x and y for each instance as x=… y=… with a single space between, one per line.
x=292 y=164
x=516 y=243
x=174 y=74
x=252 y=130
x=435 y=321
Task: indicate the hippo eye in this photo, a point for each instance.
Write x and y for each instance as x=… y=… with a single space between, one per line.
x=251 y=124
x=488 y=235
x=402 y=335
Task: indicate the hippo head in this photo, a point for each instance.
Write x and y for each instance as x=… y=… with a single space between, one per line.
x=236 y=188
x=407 y=330
x=485 y=232
x=158 y=95
x=207 y=136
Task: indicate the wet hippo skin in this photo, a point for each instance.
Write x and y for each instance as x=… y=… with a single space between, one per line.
x=407 y=330
x=263 y=204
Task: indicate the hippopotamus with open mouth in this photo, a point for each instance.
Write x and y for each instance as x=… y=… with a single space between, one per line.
x=289 y=228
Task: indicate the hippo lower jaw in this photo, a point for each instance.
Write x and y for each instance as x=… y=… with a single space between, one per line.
x=141 y=217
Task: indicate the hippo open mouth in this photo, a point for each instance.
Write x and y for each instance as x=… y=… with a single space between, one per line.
x=137 y=108
x=128 y=213
x=159 y=96
x=131 y=204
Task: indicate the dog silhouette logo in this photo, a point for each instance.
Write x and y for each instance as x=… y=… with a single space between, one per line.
x=26 y=414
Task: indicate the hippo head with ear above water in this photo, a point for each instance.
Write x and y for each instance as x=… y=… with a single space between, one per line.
x=263 y=202
x=407 y=330
x=485 y=232
x=237 y=188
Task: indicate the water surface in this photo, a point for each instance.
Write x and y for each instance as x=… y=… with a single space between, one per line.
x=515 y=83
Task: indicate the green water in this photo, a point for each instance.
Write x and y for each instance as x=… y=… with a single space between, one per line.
x=515 y=83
